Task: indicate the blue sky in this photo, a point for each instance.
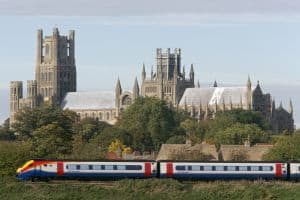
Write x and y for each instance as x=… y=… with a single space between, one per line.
x=225 y=40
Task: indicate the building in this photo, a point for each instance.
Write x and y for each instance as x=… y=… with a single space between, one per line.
x=55 y=73
x=55 y=83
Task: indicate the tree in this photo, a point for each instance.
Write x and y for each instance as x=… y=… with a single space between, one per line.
x=150 y=122
x=119 y=148
x=28 y=120
x=51 y=141
x=195 y=131
x=238 y=133
x=5 y=132
x=286 y=148
x=176 y=139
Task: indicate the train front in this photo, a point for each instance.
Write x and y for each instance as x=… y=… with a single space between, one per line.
x=26 y=172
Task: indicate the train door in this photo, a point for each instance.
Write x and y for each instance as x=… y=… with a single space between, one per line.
x=278 y=170
x=60 y=168
x=169 y=169
x=147 y=169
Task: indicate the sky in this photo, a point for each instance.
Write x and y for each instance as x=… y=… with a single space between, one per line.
x=226 y=40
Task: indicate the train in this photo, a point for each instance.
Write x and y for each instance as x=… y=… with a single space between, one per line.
x=45 y=170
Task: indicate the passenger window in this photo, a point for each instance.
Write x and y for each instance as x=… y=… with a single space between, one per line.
x=237 y=168
x=254 y=168
x=220 y=168
x=190 y=168
x=248 y=168
x=78 y=167
x=225 y=168
x=201 y=168
x=67 y=166
x=260 y=168
x=102 y=167
x=213 y=168
x=180 y=168
x=109 y=167
x=267 y=168
x=133 y=167
x=90 y=167
x=242 y=168
x=207 y=168
x=195 y=168
x=299 y=168
x=115 y=167
x=231 y=168
x=45 y=165
x=121 y=167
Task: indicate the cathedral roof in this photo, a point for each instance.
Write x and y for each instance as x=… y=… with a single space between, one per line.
x=89 y=100
x=197 y=96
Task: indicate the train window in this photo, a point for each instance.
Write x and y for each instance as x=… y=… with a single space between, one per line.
x=267 y=168
x=180 y=168
x=213 y=168
x=67 y=166
x=225 y=168
x=133 y=167
x=201 y=168
x=102 y=167
x=219 y=168
x=109 y=167
x=45 y=165
x=298 y=168
x=237 y=168
x=190 y=168
x=195 y=168
x=115 y=167
x=84 y=167
x=90 y=167
x=231 y=168
x=97 y=167
x=121 y=167
x=242 y=168
x=78 y=167
x=260 y=168
x=72 y=167
x=207 y=168
x=248 y=168
x=254 y=168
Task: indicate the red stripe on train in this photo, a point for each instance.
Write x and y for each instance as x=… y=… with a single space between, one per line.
x=147 y=169
x=169 y=169
x=278 y=171
x=60 y=168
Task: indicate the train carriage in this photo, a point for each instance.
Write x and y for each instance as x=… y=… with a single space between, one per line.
x=294 y=170
x=91 y=170
x=222 y=170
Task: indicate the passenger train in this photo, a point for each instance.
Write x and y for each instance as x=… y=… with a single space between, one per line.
x=182 y=170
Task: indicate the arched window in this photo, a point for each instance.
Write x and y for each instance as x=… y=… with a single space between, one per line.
x=100 y=115
x=107 y=115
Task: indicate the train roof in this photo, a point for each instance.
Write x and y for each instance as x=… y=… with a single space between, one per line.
x=218 y=161
x=83 y=160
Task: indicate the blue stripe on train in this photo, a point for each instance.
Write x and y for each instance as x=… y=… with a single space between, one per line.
x=43 y=174
x=211 y=176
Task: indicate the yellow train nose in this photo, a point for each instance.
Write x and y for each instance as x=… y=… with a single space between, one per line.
x=19 y=170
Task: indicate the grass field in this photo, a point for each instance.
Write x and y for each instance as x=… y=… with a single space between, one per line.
x=150 y=189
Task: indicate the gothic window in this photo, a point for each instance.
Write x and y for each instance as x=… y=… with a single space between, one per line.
x=100 y=115
x=47 y=50
x=126 y=100
x=107 y=115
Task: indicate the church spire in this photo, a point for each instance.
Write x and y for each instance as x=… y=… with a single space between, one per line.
x=192 y=74
x=152 y=73
x=118 y=87
x=291 y=109
x=215 y=84
x=136 y=89
x=143 y=72
x=183 y=72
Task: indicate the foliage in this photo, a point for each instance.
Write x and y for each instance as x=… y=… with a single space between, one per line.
x=50 y=141
x=238 y=133
x=176 y=139
x=152 y=189
x=12 y=156
x=150 y=122
x=5 y=132
x=119 y=148
x=195 y=131
x=286 y=148
x=28 y=120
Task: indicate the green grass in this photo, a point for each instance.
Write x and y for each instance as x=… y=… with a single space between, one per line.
x=150 y=189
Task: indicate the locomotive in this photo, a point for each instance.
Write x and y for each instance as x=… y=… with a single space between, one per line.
x=181 y=170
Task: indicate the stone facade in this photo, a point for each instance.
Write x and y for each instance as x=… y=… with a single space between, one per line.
x=55 y=73
x=55 y=83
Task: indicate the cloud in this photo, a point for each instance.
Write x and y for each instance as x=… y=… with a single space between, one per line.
x=146 y=7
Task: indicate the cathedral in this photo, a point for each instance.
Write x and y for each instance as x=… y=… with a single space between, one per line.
x=55 y=83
